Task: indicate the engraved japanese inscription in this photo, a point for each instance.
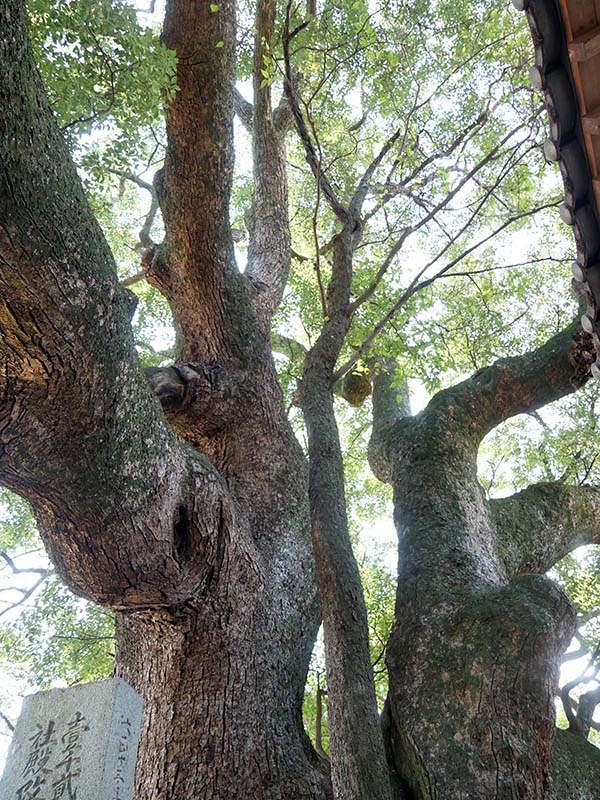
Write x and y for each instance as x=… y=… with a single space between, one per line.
x=75 y=744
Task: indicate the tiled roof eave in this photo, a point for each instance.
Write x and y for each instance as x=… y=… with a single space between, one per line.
x=567 y=52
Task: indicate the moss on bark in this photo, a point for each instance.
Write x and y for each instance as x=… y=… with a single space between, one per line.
x=574 y=769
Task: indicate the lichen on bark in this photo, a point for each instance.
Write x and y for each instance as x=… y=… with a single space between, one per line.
x=192 y=517
x=472 y=699
x=200 y=541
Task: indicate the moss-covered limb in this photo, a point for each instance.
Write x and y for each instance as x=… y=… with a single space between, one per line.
x=444 y=520
x=391 y=403
x=490 y=660
x=269 y=252
x=515 y=385
x=80 y=436
x=574 y=769
x=487 y=646
x=486 y=641
x=535 y=528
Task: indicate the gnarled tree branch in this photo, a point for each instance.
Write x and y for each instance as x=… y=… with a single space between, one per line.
x=540 y=525
x=517 y=385
x=129 y=517
x=196 y=396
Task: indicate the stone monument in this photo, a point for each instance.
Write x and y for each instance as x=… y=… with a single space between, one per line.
x=75 y=744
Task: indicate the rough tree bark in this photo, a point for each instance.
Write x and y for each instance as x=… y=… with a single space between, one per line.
x=192 y=520
x=574 y=770
x=471 y=702
x=359 y=768
x=200 y=542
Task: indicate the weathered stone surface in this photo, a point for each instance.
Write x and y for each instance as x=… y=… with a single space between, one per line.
x=75 y=744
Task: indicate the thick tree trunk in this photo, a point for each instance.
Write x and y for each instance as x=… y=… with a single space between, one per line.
x=473 y=695
x=224 y=678
x=474 y=654
x=242 y=648
x=223 y=707
x=204 y=550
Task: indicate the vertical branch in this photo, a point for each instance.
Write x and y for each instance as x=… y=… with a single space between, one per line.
x=196 y=268
x=390 y=404
x=199 y=160
x=269 y=255
x=358 y=763
x=315 y=232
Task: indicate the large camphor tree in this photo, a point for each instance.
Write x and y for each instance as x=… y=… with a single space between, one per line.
x=393 y=146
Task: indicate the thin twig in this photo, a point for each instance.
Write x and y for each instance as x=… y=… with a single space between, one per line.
x=26 y=594
x=21 y=570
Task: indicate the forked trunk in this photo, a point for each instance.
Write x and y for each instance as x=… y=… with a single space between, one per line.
x=479 y=631
x=472 y=695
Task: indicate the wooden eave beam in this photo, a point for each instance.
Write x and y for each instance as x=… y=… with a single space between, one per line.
x=591 y=123
x=586 y=46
